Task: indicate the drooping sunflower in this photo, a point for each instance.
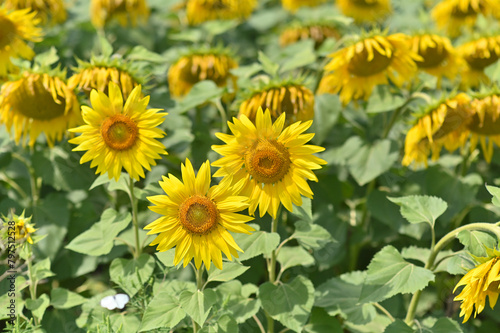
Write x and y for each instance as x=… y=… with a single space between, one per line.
x=478 y=54
x=49 y=11
x=439 y=58
x=37 y=103
x=480 y=282
x=273 y=164
x=199 y=11
x=17 y=28
x=293 y=5
x=365 y=10
x=197 y=219
x=442 y=125
x=355 y=70
x=22 y=228
x=118 y=135
x=124 y=11
x=316 y=32
x=214 y=65
x=292 y=98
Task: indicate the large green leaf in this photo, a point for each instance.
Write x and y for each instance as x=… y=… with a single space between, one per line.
x=230 y=271
x=303 y=212
x=39 y=305
x=289 y=303
x=131 y=274
x=290 y=256
x=64 y=299
x=311 y=236
x=164 y=311
x=383 y=100
x=327 y=109
x=495 y=192
x=475 y=241
x=41 y=270
x=198 y=304
x=398 y=326
x=297 y=55
x=98 y=240
x=322 y=322
x=421 y=208
x=258 y=243
x=201 y=93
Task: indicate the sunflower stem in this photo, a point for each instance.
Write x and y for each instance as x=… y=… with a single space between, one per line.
x=272 y=272
x=487 y=227
x=33 y=283
x=133 y=202
x=200 y=285
x=223 y=115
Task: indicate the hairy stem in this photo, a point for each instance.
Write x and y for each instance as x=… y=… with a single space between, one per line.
x=133 y=202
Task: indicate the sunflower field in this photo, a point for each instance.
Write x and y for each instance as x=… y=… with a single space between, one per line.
x=268 y=166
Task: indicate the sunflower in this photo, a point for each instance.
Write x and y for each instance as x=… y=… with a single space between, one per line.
x=22 y=228
x=452 y=15
x=190 y=69
x=52 y=11
x=443 y=125
x=439 y=58
x=117 y=135
x=272 y=163
x=37 y=103
x=124 y=11
x=199 y=11
x=478 y=54
x=293 y=5
x=17 y=27
x=485 y=124
x=294 y=99
x=480 y=282
x=365 y=10
x=316 y=32
x=197 y=218
x=355 y=70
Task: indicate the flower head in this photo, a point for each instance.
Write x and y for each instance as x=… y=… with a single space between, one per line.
x=17 y=28
x=365 y=10
x=124 y=11
x=293 y=5
x=197 y=219
x=478 y=54
x=199 y=11
x=118 y=135
x=22 y=228
x=317 y=32
x=37 y=103
x=52 y=11
x=273 y=164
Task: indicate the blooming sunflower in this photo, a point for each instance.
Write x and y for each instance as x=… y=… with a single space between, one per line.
x=124 y=11
x=439 y=58
x=478 y=54
x=37 y=103
x=480 y=282
x=23 y=229
x=52 y=11
x=199 y=11
x=294 y=99
x=355 y=70
x=316 y=32
x=117 y=135
x=197 y=218
x=17 y=27
x=443 y=125
x=365 y=10
x=214 y=65
x=293 y=5
x=272 y=163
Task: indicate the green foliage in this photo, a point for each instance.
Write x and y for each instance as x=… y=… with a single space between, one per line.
x=417 y=208
x=131 y=275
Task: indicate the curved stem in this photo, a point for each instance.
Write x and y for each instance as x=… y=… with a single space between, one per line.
x=223 y=115
x=384 y=311
x=133 y=202
x=261 y=327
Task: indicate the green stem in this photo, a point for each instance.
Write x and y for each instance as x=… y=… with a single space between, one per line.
x=487 y=227
x=199 y=285
x=272 y=273
x=133 y=202
x=33 y=282
x=223 y=115
x=384 y=311
x=35 y=182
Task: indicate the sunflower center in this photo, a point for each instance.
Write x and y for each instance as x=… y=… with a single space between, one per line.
x=361 y=66
x=7 y=32
x=479 y=61
x=469 y=11
x=489 y=125
x=268 y=161
x=119 y=132
x=365 y=3
x=198 y=214
x=454 y=119
x=432 y=55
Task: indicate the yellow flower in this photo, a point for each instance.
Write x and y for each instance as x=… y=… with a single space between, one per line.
x=199 y=11
x=452 y=15
x=355 y=70
x=197 y=218
x=316 y=32
x=365 y=10
x=478 y=55
x=296 y=100
x=22 y=228
x=480 y=282
x=124 y=11
x=38 y=103
x=272 y=163
x=117 y=135
x=196 y=67
x=17 y=27
x=293 y=5
x=439 y=58
x=442 y=126
x=47 y=10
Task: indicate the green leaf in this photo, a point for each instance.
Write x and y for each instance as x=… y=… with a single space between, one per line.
x=398 y=326
x=475 y=241
x=421 y=208
x=139 y=53
x=321 y=322
x=106 y=47
x=198 y=304
x=201 y=93
x=495 y=192
x=47 y=58
x=290 y=256
x=164 y=310
x=304 y=212
x=98 y=240
x=289 y=303
x=218 y=27
x=230 y=271
x=389 y=274
x=311 y=236
x=259 y=242
x=446 y=325
x=268 y=65
x=383 y=100
x=124 y=323
x=64 y=299
x=327 y=108
x=41 y=270
x=297 y=55
x=131 y=274
x=38 y=306
x=422 y=255
x=166 y=257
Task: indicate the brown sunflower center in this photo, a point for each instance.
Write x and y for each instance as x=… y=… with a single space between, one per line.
x=204 y=67
x=432 y=55
x=119 y=132
x=361 y=66
x=459 y=12
x=7 y=31
x=454 y=119
x=365 y=3
x=198 y=214
x=268 y=161
x=489 y=125
x=33 y=100
x=480 y=59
